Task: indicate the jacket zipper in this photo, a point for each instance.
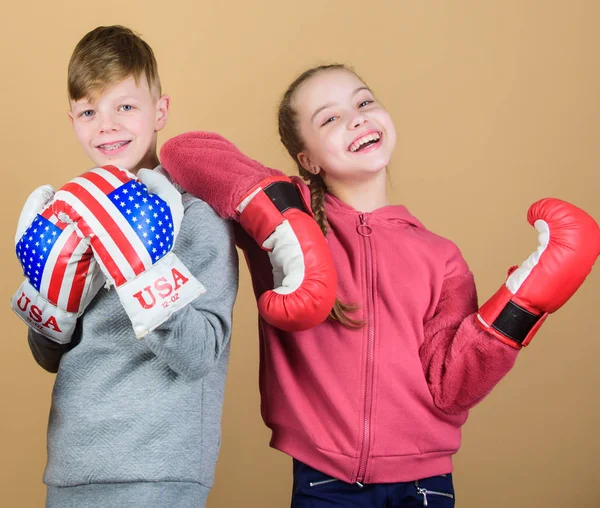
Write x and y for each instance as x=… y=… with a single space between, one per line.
x=365 y=231
x=425 y=492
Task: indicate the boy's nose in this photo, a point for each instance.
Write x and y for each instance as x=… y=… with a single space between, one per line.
x=108 y=124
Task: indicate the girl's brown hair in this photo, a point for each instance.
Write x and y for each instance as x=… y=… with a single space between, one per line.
x=290 y=137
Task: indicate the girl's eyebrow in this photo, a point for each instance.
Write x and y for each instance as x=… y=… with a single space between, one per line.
x=329 y=104
x=359 y=89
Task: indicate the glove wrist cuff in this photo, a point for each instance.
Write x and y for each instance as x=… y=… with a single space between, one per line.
x=262 y=210
x=42 y=316
x=505 y=319
x=152 y=297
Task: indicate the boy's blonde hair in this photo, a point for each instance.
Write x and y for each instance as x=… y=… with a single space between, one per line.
x=106 y=56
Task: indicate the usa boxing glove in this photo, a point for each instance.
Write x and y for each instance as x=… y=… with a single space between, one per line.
x=131 y=224
x=62 y=276
x=269 y=206
x=569 y=243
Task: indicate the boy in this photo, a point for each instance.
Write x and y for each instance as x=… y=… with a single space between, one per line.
x=136 y=423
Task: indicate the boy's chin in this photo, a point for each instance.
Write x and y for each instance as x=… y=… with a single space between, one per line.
x=116 y=161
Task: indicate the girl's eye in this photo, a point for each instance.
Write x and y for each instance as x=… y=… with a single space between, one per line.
x=329 y=120
x=126 y=107
x=365 y=103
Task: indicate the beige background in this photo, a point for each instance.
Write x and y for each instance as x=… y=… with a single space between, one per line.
x=496 y=105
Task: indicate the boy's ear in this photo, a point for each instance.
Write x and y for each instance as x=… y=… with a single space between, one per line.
x=162 y=112
x=308 y=164
x=70 y=115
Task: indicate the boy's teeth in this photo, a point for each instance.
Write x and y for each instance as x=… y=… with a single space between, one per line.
x=114 y=146
x=358 y=143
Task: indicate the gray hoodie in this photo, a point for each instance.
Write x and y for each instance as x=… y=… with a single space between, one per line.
x=138 y=422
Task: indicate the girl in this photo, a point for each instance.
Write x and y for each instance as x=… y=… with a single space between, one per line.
x=370 y=403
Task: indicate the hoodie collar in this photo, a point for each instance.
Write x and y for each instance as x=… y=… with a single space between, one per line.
x=394 y=213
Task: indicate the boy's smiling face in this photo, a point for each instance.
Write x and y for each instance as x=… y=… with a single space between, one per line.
x=119 y=126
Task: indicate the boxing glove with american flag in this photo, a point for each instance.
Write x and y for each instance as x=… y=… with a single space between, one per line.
x=62 y=276
x=131 y=224
x=270 y=208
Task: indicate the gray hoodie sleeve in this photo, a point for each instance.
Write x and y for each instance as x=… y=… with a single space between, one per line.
x=46 y=352
x=191 y=340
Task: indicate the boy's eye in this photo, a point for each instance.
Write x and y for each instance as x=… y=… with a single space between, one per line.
x=126 y=107
x=365 y=103
x=87 y=113
x=329 y=120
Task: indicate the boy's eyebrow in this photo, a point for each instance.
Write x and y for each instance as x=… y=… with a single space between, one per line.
x=125 y=97
x=77 y=105
x=86 y=103
x=329 y=104
x=83 y=100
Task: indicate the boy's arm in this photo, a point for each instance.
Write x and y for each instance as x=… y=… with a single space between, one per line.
x=191 y=340
x=46 y=352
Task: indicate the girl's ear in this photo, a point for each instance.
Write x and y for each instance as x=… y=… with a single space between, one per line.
x=308 y=164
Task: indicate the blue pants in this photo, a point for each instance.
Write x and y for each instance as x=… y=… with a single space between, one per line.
x=313 y=489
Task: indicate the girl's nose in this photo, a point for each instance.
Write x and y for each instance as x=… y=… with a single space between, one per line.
x=357 y=120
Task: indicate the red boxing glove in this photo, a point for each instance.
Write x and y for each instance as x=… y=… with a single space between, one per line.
x=569 y=245
x=269 y=206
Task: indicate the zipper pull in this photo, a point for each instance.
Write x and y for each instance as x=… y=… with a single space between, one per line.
x=323 y=482
x=363 y=228
x=423 y=492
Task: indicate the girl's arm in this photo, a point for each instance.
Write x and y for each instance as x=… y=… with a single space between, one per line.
x=269 y=207
x=467 y=351
x=462 y=362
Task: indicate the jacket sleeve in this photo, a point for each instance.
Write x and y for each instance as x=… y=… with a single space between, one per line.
x=462 y=362
x=191 y=341
x=46 y=352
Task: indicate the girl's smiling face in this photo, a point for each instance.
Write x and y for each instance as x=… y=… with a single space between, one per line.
x=346 y=133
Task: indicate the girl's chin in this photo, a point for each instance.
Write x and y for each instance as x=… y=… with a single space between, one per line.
x=375 y=166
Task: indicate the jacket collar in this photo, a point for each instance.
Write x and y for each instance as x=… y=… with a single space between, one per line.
x=393 y=213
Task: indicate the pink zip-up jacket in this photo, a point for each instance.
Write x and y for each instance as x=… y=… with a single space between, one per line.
x=386 y=402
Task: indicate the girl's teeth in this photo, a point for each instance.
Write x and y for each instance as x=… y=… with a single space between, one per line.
x=357 y=144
